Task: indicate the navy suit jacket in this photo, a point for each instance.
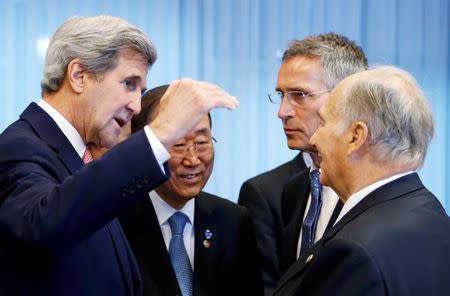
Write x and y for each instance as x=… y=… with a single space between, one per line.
x=396 y=241
x=293 y=205
x=261 y=195
x=58 y=231
x=230 y=266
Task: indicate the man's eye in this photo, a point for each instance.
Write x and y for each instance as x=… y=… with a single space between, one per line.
x=130 y=85
x=202 y=143
x=300 y=94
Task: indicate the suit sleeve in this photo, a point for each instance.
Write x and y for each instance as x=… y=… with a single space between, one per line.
x=341 y=268
x=43 y=204
x=265 y=230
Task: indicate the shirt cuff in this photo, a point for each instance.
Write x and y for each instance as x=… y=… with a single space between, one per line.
x=161 y=154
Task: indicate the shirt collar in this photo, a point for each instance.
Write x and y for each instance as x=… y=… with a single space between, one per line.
x=355 y=198
x=65 y=126
x=164 y=211
x=308 y=160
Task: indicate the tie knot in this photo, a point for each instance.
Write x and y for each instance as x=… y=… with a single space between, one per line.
x=177 y=222
x=87 y=156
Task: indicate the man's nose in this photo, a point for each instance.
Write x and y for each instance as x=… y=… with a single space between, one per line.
x=135 y=104
x=285 y=111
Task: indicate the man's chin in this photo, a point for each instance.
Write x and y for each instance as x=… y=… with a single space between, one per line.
x=298 y=145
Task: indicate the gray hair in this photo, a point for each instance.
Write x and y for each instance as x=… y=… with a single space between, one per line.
x=97 y=41
x=391 y=103
x=339 y=56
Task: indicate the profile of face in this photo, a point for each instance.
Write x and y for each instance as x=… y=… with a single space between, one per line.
x=330 y=141
x=108 y=101
x=300 y=121
x=190 y=164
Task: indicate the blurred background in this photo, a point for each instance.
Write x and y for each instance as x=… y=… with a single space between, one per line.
x=238 y=44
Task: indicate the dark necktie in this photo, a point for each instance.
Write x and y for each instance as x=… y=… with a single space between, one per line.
x=178 y=255
x=310 y=223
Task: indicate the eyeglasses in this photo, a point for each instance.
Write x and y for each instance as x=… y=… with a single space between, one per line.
x=295 y=97
x=201 y=148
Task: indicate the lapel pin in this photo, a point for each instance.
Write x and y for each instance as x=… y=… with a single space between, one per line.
x=208 y=235
x=206 y=244
x=309 y=258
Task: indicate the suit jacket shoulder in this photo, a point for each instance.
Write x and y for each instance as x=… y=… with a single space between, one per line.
x=382 y=246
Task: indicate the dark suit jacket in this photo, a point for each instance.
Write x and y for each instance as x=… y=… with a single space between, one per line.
x=396 y=241
x=261 y=195
x=293 y=204
x=58 y=232
x=230 y=266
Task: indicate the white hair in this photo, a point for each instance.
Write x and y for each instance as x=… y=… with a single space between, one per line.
x=97 y=41
x=397 y=114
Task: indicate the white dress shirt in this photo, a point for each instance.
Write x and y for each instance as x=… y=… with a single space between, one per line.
x=161 y=154
x=329 y=201
x=355 y=198
x=164 y=211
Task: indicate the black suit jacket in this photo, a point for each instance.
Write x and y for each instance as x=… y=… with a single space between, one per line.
x=396 y=241
x=230 y=266
x=261 y=195
x=58 y=232
x=293 y=204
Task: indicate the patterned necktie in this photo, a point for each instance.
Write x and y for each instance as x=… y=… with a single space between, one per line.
x=87 y=156
x=310 y=223
x=178 y=255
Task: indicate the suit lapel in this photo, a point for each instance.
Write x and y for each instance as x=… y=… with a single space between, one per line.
x=389 y=191
x=206 y=256
x=149 y=245
x=334 y=215
x=47 y=129
x=297 y=199
x=297 y=165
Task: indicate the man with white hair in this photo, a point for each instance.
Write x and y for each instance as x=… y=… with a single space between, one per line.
x=392 y=235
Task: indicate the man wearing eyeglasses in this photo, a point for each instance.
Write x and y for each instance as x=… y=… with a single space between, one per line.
x=217 y=252
x=310 y=69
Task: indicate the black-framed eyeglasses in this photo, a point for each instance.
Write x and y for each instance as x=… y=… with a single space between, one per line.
x=295 y=97
x=201 y=148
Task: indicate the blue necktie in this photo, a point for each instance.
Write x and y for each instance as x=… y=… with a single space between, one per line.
x=178 y=255
x=310 y=223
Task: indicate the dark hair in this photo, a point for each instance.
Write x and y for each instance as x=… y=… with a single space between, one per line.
x=149 y=103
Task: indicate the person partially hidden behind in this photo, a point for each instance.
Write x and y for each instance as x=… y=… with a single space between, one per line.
x=392 y=235
x=280 y=200
x=58 y=229
x=213 y=249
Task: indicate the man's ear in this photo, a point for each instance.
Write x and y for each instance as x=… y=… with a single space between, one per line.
x=358 y=134
x=76 y=76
